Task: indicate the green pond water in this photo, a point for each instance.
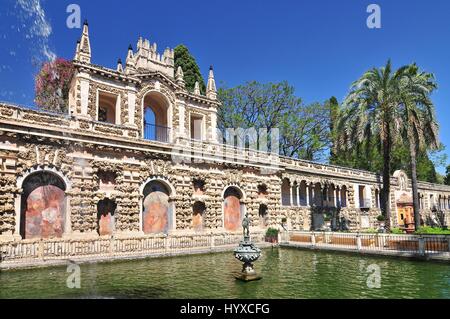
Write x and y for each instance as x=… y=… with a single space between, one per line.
x=287 y=273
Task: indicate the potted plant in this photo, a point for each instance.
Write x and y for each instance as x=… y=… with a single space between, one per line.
x=272 y=235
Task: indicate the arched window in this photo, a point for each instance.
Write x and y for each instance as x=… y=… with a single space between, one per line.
x=233 y=209
x=198 y=213
x=157 y=214
x=303 y=194
x=263 y=214
x=43 y=206
x=344 y=196
x=331 y=195
x=106 y=209
x=294 y=194
x=286 y=193
x=318 y=195
x=156 y=118
x=107 y=104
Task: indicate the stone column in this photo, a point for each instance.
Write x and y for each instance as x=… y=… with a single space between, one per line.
x=131 y=107
x=291 y=195
x=181 y=119
x=84 y=94
x=307 y=194
x=213 y=128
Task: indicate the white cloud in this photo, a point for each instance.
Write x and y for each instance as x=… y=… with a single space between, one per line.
x=36 y=25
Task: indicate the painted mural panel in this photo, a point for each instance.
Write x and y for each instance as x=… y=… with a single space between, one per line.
x=232 y=213
x=45 y=213
x=197 y=218
x=106 y=210
x=156 y=211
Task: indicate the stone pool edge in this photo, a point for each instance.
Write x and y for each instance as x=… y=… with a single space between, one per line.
x=443 y=257
x=22 y=265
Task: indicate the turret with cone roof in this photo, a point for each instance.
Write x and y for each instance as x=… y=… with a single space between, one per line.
x=83 y=50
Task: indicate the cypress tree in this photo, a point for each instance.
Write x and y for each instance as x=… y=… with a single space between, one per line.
x=190 y=68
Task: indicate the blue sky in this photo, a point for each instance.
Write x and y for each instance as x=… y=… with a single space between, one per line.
x=318 y=46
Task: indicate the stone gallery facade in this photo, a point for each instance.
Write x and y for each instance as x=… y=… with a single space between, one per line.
x=139 y=155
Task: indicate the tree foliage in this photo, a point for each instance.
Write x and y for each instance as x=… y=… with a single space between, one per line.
x=52 y=85
x=447 y=176
x=190 y=68
x=304 y=129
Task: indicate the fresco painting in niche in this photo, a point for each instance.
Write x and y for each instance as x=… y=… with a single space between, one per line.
x=232 y=210
x=106 y=209
x=156 y=209
x=197 y=218
x=44 y=217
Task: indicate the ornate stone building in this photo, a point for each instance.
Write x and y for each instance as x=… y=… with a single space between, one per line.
x=138 y=154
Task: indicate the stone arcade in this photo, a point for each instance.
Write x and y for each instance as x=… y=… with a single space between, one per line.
x=109 y=168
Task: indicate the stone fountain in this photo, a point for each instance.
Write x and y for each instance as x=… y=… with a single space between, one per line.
x=248 y=253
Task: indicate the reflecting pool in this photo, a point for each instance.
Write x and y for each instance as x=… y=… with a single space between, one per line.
x=287 y=273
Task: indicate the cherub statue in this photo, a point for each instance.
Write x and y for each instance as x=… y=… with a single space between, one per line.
x=246 y=225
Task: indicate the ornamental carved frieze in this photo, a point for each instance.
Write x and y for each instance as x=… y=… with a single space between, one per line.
x=157 y=168
x=32 y=155
x=104 y=166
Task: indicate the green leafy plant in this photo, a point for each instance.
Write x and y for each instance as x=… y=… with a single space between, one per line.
x=381 y=218
x=397 y=231
x=370 y=231
x=272 y=233
x=427 y=230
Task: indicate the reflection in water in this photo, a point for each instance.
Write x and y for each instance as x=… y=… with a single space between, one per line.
x=287 y=273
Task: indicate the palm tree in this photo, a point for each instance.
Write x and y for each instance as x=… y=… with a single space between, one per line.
x=370 y=111
x=419 y=123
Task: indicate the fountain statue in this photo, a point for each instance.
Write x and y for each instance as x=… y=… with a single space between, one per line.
x=248 y=253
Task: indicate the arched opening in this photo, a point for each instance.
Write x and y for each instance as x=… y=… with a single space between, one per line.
x=294 y=194
x=285 y=193
x=318 y=195
x=198 y=213
x=233 y=209
x=344 y=196
x=263 y=214
x=157 y=209
x=156 y=120
x=303 y=194
x=106 y=209
x=107 y=104
x=331 y=190
x=43 y=206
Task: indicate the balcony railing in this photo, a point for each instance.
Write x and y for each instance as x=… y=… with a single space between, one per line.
x=365 y=203
x=156 y=133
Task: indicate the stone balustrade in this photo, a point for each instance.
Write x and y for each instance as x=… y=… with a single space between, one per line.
x=33 y=252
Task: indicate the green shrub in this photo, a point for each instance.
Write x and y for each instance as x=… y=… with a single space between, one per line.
x=272 y=232
x=397 y=231
x=369 y=231
x=427 y=230
x=381 y=218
